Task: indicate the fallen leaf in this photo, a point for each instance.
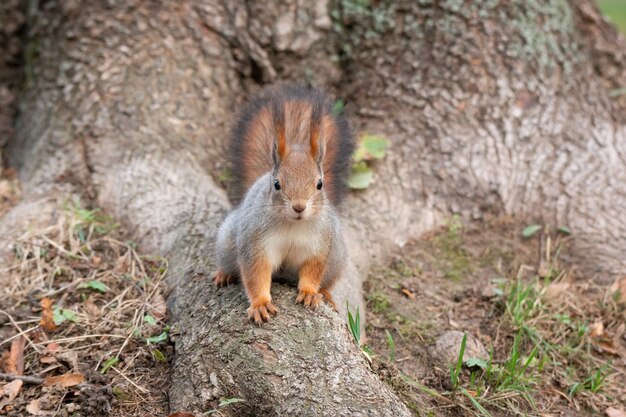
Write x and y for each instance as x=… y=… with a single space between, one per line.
x=11 y=389
x=410 y=294
x=181 y=414
x=66 y=380
x=47 y=359
x=602 y=340
x=596 y=329
x=14 y=364
x=47 y=315
x=614 y=412
x=158 y=307
x=34 y=408
x=618 y=290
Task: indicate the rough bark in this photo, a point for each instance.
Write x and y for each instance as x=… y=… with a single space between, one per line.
x=489 y=106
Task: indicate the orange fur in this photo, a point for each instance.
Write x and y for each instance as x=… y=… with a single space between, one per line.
x=279 y=124
x=257 y=279
x=311 y=276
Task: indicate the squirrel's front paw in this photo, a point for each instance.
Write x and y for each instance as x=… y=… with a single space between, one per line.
x=221 y=279
x=261 y=312
x=309 y=298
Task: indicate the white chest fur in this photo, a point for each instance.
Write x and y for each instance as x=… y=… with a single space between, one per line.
x=289 y=246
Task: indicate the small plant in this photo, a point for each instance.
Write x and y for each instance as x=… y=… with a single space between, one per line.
x=354 y=323
x=370 y=148
x=592 y=383
x=392 y=346
x=378 y=302
x=224 y=402
x=456 y=370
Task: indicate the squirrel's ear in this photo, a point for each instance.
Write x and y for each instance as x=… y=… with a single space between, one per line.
x=316 y=141
x=279 y=147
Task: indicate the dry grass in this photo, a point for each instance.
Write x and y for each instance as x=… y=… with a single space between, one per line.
x=109 y=307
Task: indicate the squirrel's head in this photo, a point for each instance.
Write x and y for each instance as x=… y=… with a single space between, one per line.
x=297 y=181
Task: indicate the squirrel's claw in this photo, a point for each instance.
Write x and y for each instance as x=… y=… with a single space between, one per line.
x=310 y=300
x=262 y=313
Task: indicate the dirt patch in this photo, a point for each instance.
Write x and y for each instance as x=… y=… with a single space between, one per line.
x=82 y=322
x=556 y=342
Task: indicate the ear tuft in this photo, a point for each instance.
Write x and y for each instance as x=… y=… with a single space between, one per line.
x=315 y=141
x=279 y=149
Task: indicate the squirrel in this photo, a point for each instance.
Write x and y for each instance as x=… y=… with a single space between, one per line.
x=290 y=154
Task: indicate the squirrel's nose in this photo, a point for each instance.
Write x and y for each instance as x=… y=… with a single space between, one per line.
x=298 y=206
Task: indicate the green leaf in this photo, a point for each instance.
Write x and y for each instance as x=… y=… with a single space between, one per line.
x=60 y=315
x=157 y=339
x=392 y=346
x=121 y=394
x=374 y=146
x=158 y=355
x=565 y=230
x=149 y=320
x=226 y=401
x=354 y=322
x=108 y=364
x=94 y=285
x=338 y=107
x=361 y=176
x=455 y=371
x=472 y=362
x=531 y=230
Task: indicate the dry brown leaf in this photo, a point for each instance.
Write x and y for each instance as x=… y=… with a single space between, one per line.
x=614 y=412
x=601 y=340
x=11 y=389
x=158 y=307
x=66 y=380
x=47 y=316
x=34 y=408
x=410 y=294
x=607 y=346
x=14 y=363
x=181 y=414
x=47 y=359
x=619 y=289
x=596 y=329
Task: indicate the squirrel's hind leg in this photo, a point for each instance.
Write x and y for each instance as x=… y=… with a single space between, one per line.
x=329 y=298
x=222 y=279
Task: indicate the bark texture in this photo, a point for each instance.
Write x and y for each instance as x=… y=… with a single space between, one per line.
x=489 y=105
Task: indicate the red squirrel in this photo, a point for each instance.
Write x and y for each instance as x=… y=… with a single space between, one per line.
x=290 y=155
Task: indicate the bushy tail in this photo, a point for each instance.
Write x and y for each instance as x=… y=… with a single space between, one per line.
x=255 y=132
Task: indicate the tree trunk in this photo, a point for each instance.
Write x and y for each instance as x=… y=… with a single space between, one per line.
x=490 y=106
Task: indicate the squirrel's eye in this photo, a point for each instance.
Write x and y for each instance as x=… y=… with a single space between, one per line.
x=319 y=184
x=277 y=185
